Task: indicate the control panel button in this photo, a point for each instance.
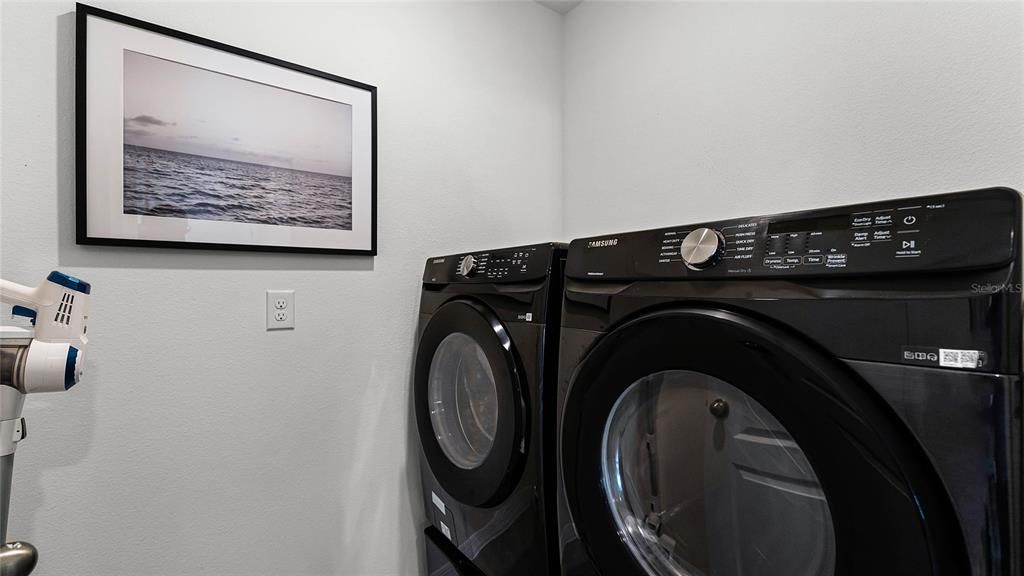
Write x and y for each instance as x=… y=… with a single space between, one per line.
x=835 y=260
x=813 y=260
x=792 y=260
x=467 y=266
x=702 y=248
x=773 y=261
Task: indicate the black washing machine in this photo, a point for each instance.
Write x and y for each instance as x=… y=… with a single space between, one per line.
x=825 y=393
x=484 y=397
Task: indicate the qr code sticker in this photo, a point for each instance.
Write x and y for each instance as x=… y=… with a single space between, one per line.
x=959 y=358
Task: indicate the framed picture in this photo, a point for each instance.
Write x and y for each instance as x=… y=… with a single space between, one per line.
x=187 y=142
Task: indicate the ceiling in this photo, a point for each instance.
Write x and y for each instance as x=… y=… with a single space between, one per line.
x=560 y=6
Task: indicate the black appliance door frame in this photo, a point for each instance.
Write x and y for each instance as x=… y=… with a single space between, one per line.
x=490 y=482
x=890 y=510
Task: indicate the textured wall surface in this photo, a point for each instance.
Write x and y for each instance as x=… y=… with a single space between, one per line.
x=683 y=112
x=199 y=444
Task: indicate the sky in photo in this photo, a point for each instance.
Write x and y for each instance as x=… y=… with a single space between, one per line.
x=182 y=108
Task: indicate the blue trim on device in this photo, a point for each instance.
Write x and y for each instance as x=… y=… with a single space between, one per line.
x=69 y=282
x=69 y=368
x=23 y=311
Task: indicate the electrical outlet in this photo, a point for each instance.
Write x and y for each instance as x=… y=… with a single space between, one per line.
x=280 y=309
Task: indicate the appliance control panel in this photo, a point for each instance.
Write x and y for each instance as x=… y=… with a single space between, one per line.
x=943 y=232
x=518 y=264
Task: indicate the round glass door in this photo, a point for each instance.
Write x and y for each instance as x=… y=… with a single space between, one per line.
x=463 y=400
x=704 y=481
x=471 y=412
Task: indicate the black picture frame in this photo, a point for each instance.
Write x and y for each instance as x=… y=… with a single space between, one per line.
x=83 y=237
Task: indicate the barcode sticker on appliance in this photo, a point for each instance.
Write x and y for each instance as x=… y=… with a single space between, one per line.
x=437 y=502
x=959 y=358
x=445 y=530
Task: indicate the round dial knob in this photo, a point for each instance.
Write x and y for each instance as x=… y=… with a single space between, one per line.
x=467 y=266
x=702 y=248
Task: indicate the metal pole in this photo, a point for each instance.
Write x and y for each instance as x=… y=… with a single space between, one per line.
x=13 y=352
x=6 y=473
x=16 y=558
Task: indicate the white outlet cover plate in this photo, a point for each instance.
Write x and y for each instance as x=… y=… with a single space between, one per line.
x=275 y=312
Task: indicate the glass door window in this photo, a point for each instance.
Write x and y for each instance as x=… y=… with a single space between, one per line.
x=463 y=400
x=703 y=481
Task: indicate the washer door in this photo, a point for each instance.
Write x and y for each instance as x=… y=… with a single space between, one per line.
x=470 y=408
x=703 y=443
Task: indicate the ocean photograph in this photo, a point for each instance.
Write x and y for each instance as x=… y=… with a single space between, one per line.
x=164 y=183
x=208 y=146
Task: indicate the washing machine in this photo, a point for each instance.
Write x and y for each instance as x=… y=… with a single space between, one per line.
x=484 y=397
x=834 y=392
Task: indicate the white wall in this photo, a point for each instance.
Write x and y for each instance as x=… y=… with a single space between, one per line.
x=199 y=443
x=683 y=112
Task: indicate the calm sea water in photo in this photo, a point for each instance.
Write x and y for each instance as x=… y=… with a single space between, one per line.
x=162 y=183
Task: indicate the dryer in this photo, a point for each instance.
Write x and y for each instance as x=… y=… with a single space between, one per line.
x=834 y=392
x=484 y=398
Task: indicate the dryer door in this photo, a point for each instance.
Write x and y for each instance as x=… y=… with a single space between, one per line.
x=470 y=406
x=700 y=442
